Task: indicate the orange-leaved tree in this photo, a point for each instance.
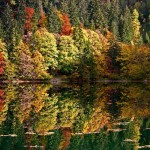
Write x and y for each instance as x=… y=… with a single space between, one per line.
x=42 y=20
x=66 y=25
x=29 y=14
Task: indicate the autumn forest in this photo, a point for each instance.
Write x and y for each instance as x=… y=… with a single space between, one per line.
x=86 y=39
x=74 y=74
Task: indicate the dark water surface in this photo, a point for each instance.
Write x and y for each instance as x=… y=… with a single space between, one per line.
x=73 y=117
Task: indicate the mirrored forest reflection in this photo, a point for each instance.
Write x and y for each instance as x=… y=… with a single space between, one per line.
x=73 y=117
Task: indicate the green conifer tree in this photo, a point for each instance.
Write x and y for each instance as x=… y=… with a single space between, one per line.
x=8 y=27
x=147 y=38
x=114 y=18
x=64 y=6
x=96 y=15
x=1 y=29
x=74 y=13
x=53 y=21
x=115 y=29
x=82 y=7
x=127 y=29
x=20 y=16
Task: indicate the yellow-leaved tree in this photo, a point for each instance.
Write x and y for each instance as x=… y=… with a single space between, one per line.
x=137 y=39
x=45 y=43
x=68 y=55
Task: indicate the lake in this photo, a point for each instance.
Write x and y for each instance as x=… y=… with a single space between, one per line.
x=100 y=116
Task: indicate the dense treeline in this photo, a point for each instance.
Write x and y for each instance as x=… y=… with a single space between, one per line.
x=90 y=39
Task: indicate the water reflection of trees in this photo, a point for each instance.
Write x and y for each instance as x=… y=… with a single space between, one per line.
x=66 y=117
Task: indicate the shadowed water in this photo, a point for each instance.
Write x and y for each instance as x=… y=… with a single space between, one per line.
x=75 y=117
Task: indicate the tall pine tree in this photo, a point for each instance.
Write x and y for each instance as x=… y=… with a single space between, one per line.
x=114 y=18
x=96 y=16
x=74 y=13
x=127 y=28
x=53 y=21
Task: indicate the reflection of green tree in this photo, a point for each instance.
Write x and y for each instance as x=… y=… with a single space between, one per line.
x=133 y=133
x=99 y=116
x=10 y=124
x=53 y=141
x=8 y=98
x=114 y=96
x=145 y=132
x=99 y=141
x=9 y=143
x=87 y=96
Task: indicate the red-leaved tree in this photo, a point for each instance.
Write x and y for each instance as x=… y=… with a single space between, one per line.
x=66 y=27
x=29 y=14
x=1 y=64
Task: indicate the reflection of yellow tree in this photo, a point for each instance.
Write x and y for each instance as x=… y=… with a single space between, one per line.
x=3 y=107
x=137 y=102
x=48 y=115
x=69 y=109
x=39 y=95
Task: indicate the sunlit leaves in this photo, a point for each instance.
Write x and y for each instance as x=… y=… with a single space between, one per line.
x=134 y=61
x=68 y=54
x=136 y=28
x=45 y=43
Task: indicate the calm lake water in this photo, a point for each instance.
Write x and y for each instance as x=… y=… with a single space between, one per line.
x=75 y=117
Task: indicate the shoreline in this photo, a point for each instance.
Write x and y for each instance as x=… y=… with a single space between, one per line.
x=61 y=80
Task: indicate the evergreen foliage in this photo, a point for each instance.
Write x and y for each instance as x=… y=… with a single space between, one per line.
x=74 y=13
x=53 y=21
x=96 y=16
x=127 y=28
